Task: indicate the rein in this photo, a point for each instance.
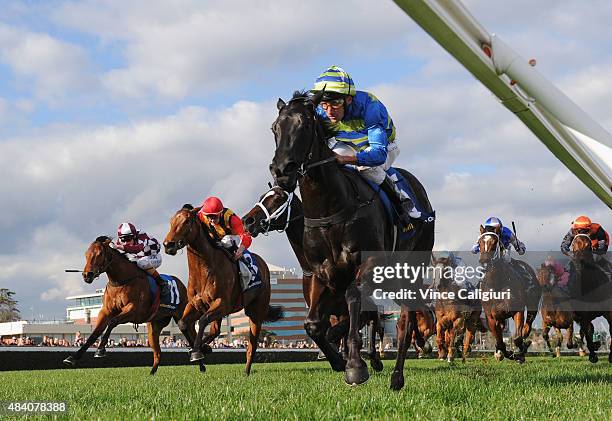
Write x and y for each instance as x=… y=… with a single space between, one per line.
x=266 y=224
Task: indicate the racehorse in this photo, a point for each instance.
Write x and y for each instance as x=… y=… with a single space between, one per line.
x=127 y=299
x=343 y=217
x=593 y=287
x=280 y=211
x=454 y=316
x=214 y=289
x=555 y=310
x=501 y=276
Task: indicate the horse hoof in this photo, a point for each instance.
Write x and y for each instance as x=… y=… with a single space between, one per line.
x=397 y=380
x=153 y=371
x=195 y=356
x=100 y=353
x=356 y=376
x=377 y=365
x=593 y=358
x=427 y=348
x=206 y=349
x=70 y=361
x=202 y=368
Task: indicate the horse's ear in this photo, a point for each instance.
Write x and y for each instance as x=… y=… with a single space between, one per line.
x=280 y=104
x=482 y=230
x=316 y=98
x=187 y=206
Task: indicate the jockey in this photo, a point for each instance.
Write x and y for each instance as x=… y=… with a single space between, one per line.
x=560 y=273
x=506 y=238
x=600 y=239
x=141 y=249
x=364 y=134
x=226 y=227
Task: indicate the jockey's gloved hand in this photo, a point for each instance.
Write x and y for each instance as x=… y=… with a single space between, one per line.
x=115 y=246
x=521 y=248
x=475 y=248
x=601 y=245
x=238 y=253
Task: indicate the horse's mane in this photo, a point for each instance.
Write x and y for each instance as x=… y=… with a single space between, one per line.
x=102 y=239
x=207 y=234
x=303 y=94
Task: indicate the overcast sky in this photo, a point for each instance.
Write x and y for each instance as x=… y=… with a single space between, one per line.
x=115 y=111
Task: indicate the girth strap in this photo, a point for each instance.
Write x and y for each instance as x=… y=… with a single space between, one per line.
x=337 y=218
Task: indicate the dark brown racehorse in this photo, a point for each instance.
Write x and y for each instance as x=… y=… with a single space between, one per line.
x=555 y=310
x=455 y=317
x=593 y=291
x=127 y=299
x=280 y=211
x=343 y=217
x=500 y=276
x=214 y=290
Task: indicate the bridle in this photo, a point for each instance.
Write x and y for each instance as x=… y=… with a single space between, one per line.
x=497 y=253
x=266 y=224
x=108 y=255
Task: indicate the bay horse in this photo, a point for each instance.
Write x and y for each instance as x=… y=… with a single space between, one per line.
x=278 y=210
x=343 y=217
x=127 y=299
x=592 y=291
x=455 y=317
x=501 y=276
x=555 y=310
x=214 y=289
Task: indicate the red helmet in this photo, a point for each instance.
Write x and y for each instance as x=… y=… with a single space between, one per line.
x=127 y=230
x=212 y=206
x=582 y=222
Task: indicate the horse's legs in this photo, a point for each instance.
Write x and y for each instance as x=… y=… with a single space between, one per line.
x=559 y=343
x=440 y=339
x=153 y=330
x=254 y=328
x=546 y=337
x=608 y=317
x=381 y=335
x=356 y=371
x=588 y=333
x=101 y=323
x=126 y=313
x=570 y=336
x=317 y=323
x=336 y=333
x=452 y=333
x=214 y=312
x=531 y=315
x=187 y=326
x=405 y=325
x=467 y=341
x=518 y=339
x=375 y=362
x=496 y=327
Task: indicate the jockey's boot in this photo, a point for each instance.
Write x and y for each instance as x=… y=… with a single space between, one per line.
x=163 y=285
x=403 y=205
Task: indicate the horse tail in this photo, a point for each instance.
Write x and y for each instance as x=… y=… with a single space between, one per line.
x=274 y=313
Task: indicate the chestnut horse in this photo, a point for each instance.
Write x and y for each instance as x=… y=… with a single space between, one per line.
x=454 y=317
x=214 y=289
x=501 y=277
x=280 y=211
x=555 y=310
x=127 y=299
x=593 y=291
x=343 y=218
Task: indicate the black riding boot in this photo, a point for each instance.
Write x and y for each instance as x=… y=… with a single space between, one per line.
x=403 y=206
x=163 y=285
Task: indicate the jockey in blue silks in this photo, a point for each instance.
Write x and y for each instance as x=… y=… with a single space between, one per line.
x=361 y=133
x=506 y=238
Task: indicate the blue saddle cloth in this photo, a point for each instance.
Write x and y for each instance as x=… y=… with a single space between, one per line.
x=168 y=301
x=407 y=231
x=255 y=281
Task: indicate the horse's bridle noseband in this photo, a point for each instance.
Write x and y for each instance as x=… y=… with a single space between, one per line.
x=497 y=252
x=266 y=224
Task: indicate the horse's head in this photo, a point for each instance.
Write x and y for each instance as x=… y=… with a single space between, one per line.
x=295 y=130
x=581 y=248
x=182 y=229
x=98 y=258
x=489 y=244
x=546 y=276
x=272 y=211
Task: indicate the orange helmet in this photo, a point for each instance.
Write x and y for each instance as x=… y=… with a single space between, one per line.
x=582 y=222
x=212 y=206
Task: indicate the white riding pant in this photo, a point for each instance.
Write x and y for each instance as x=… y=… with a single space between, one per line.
x=375 y=174
x=149 y=262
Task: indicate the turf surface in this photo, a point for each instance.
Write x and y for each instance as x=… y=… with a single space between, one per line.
x=543 y=388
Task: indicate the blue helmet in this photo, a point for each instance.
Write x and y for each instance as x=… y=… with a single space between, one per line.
x=493 y=222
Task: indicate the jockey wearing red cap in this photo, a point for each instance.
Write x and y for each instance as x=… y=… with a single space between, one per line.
x=226 y=227
x=600 y=240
